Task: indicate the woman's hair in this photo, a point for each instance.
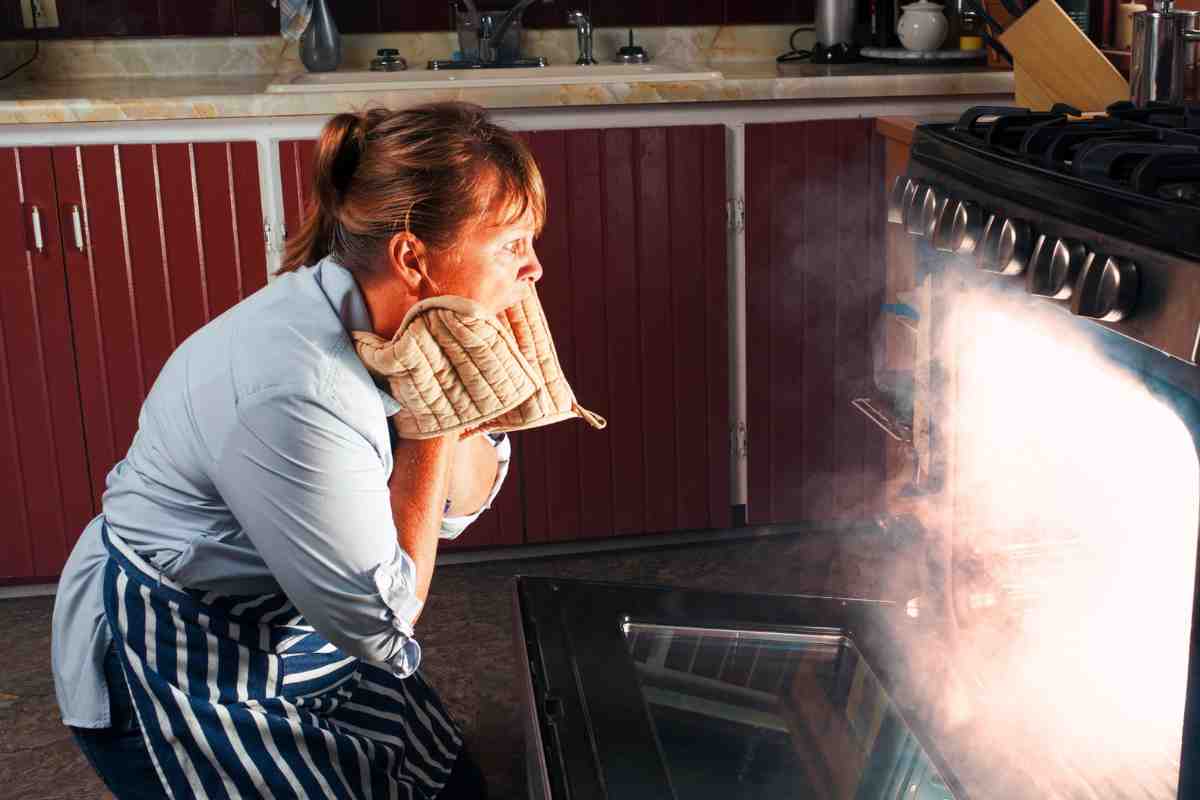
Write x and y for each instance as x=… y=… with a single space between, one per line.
x=430 y=170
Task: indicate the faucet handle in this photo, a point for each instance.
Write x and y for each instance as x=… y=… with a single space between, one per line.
x=388 y=59
x=632 y=53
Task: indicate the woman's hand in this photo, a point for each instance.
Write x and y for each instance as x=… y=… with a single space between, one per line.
x=472 y=476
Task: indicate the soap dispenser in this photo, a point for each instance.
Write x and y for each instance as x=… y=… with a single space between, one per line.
x=321 y=45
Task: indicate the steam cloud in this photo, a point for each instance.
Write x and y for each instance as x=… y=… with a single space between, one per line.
x=1076 y=495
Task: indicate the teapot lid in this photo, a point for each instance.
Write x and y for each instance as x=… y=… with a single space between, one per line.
x=923 y=5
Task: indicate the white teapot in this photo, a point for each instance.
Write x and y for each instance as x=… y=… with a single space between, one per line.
x=922 y=26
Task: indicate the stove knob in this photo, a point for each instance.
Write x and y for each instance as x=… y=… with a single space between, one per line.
x=903 y=194
x=1005 y=246
x=935 y=200
x=1107 y=288
x=896 y=202
x=1054 y=267
x=912 y=208
x=958 y=228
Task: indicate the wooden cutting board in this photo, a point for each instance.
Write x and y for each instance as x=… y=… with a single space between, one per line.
x=1054 y=62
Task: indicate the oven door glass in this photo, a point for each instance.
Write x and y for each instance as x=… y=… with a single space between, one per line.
x=638 y=692
x=749 y=714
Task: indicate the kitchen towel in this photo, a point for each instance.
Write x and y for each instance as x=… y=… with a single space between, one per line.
x=293 y=18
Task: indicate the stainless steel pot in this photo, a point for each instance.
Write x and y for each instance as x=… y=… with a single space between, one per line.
x=1164 y=54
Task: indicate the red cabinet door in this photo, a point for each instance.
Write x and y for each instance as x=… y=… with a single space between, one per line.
x=815 y=273
x=634 y=287
x=296 y=176
x=44 y=488
x=171 y=235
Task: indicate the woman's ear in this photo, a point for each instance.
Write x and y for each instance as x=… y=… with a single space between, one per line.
x=408 y=260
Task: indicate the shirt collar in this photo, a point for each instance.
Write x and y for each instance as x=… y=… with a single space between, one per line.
x=347 y=300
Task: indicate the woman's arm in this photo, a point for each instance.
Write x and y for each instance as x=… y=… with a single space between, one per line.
x=433 y=478
x=419 y=485
x=311 y=492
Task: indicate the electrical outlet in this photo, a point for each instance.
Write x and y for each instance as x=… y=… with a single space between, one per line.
x=47 y=13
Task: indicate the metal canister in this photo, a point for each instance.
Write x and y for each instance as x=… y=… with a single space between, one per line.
x=834 y=21
x=1163 y=60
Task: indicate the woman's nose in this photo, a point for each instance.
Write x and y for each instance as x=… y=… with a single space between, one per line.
x=532 y=269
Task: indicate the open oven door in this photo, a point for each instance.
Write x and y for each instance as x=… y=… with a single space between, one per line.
x=652 y=692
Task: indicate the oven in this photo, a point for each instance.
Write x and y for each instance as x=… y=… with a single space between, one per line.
x=1058 y=283
x=1041 y=376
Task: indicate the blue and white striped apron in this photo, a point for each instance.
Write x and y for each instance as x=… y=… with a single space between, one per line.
x=238 y=697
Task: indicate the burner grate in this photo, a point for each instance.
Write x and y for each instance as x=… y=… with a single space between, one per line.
x=1134 y=149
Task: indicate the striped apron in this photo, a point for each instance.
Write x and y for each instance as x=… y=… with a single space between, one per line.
x=239 y=697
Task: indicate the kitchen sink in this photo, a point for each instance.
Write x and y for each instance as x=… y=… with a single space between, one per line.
x=366 y=80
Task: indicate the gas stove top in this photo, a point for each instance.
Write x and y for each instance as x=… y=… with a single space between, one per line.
x=1132 y=172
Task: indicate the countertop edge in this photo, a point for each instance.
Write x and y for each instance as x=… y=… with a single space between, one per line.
x=254 y=101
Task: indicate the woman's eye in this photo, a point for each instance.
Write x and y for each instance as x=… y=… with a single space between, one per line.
x=515 y=247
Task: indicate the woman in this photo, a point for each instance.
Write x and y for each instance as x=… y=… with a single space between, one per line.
x=239 y=620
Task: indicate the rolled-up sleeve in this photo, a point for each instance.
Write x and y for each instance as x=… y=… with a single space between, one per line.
x=311 y=493
x=452 y=527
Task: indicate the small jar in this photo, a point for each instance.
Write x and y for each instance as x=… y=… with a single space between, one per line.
x=922 y=26
x=970 y=32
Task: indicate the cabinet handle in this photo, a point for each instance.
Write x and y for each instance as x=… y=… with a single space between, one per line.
x=77 y=225
x=35 y=216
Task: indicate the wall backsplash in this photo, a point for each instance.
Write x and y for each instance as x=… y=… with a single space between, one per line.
x=210 y=56
x=106 y=18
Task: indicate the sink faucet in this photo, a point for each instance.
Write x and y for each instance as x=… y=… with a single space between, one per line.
x=490 y=53
x=490 y=39
x=583 y=30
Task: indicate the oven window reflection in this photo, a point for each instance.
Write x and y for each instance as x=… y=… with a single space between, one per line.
x=743 y=714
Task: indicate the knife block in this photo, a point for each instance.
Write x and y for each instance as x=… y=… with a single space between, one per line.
x=1055 y=62
x=1001 y=15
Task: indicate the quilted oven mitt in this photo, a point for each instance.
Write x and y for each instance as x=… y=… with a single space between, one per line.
x=553 y=401
x=452 y=366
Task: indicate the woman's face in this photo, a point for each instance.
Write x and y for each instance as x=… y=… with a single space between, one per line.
x=493 y=265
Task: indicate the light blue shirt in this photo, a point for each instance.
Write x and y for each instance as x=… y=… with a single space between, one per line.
x=260 y=464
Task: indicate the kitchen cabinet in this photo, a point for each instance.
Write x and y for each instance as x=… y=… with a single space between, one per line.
x=171 y=237
x=635 y=291
x=45 y=489
x=296 y=180
x=815 y=220
x=143 y=243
